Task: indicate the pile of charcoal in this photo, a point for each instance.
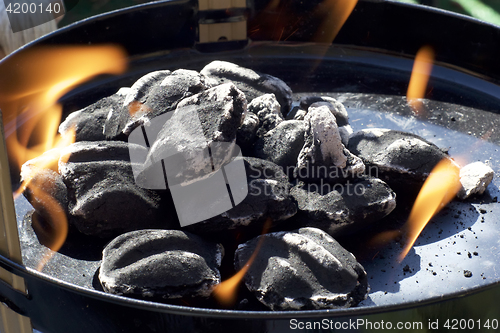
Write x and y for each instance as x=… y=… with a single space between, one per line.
x=184 y=168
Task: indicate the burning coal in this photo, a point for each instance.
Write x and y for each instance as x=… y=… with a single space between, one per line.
x=244 y=108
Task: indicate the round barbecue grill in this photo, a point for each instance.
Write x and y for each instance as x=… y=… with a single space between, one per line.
x=367 y=68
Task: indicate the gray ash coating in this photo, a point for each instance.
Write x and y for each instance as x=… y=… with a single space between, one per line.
x=336 y=108
x=160 y=263
x=324 y=150
x=253 y=84
x=247 y=133
x=199 y=122
x=116 y=116
x=403 y=160
x=268 y=110
x=302 y=269
x=282 y=145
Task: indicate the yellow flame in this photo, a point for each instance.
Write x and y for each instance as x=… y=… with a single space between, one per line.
x=422 y=68
x=226 y=291
x=440 y=188
x=31 y=83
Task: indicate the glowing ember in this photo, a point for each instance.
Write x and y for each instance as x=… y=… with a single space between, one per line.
x=422 y=68
x=440 y=188
x=226 y=292
x=137 y=108
x=31 y=83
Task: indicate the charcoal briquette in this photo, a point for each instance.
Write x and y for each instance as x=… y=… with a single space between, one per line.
x=200 y=135
x=103 y=197
x=268 y=198
x=343 y=207
x=283 y=144
x=247 y=133
x=323 y=150
x=403 y=160
x=160 y=263
x=47 y=193
x=302 y=269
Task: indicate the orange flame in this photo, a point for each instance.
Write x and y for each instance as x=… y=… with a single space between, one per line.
x=422 y=68
x=52 y=234
x=226 y=291
x=339 y=11
x=439 y=188
x=31 y=83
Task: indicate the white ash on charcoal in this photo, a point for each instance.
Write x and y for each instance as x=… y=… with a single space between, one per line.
x=403 y=160
x=323 y=147
x=336 y=108
x=46 y=191
x=89 y=123
x=166 y=95
x=342 y=208
x=345 y=130
x=268 y=198
x=310 y=149
x=268 y=110
x=283 y=144
x=103 y=197
x=247 y=133
x=160 y=263
x=198 y=137
x=253 y=84
x=302 y=269
x=475 y=178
